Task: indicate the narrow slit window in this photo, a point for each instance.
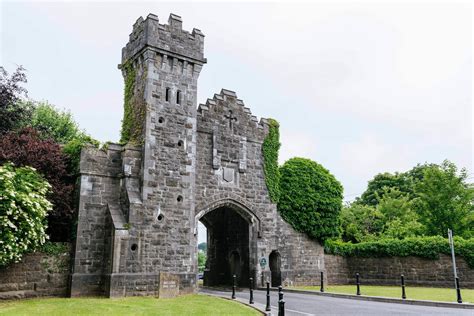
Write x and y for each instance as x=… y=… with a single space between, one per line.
x=178 y=97
x=167 y=94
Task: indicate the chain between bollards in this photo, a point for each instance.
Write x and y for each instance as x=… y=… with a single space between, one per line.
x=458 y=291
x=358 y=283
x=281 y=302
x=404 y=295
x=233 y=286
x=251 y=291
x=267 y=307
x=322 y=282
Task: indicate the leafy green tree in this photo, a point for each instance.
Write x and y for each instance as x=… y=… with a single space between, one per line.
x=403 y=182
x=14 y=113
x=360 y=222
x=60 y=126
x=400 y=219
x=445 y=200
x=392 y=217
x=311 y=198
x=202 y=247
x=53 y=123
x=201 y=261
x=383 y=183
x=23 y=209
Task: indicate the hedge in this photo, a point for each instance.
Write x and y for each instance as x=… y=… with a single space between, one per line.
x=424 y=247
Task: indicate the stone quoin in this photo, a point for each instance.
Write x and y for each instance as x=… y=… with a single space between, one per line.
x=140 y=204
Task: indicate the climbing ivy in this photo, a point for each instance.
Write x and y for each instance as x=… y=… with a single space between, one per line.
x=130 y=75
x=310 y=198
x=133 y=108
x=271 y=146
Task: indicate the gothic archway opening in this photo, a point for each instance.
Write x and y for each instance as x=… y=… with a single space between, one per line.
x=275 y=268
x=228 y=247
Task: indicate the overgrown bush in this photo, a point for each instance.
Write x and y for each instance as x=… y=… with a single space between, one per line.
x=26 y=148
x=311 y=198
x=23 y=211
x=425 y=247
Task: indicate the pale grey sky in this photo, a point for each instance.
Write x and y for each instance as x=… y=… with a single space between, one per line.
x=361 y=88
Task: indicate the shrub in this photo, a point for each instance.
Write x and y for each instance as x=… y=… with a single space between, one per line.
x=72 y=150
x=311 y=198
x=26 y=148
x=23 y=210
x=425 y=247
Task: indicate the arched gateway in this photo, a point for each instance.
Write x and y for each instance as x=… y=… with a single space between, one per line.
x=232 y=233
x=140 y=204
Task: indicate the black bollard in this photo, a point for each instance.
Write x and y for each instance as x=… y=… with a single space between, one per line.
x=280 y=293
x=358 y=283
x=404 y=295
x=251 y=291
x=233 y=287
x=322 y=282
x=267 y=307
x=281 y=305
x=458 y=290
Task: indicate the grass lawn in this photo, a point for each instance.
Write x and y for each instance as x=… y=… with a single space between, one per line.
x=183 y=305
x=416 y=293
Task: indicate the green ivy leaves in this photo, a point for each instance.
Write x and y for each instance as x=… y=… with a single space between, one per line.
x=270 y=148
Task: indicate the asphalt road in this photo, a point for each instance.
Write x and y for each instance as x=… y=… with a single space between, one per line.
x=306 y=305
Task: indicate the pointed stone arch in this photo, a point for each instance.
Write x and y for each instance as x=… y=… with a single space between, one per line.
x=239 y=207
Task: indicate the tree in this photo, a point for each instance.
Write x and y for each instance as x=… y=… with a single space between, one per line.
x=13 y=112
x=360 y=222
x=400 y=219
x=201 y=261
x=392 y=217
x=311 y=198
x=203 y=247
x=445 y=200
x=26 y=148
x=53 y=123
x=23 y=210
x=58 y=125
x=403 y=182
x=383 y=183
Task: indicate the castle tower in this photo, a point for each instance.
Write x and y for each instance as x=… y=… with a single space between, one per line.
x=165 y=61
x=148 y=227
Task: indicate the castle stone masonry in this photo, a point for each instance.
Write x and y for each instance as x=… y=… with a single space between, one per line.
x=139 y=206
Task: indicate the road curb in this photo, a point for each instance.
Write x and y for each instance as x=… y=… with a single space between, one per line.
x=241 y=301
x=379 y=299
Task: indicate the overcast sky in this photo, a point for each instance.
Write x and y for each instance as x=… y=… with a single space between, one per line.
x=361 y=88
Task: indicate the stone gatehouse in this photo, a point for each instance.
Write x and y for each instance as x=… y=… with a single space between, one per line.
x=140 y=205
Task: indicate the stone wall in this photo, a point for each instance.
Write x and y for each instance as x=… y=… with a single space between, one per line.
x=387 y=271
x=38 y=274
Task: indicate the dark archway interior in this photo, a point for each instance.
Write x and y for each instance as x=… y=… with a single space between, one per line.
x=275 y=268
x=227 y=247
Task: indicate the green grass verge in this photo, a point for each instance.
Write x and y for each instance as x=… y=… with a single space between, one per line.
x=414 y=293
x=183 y=305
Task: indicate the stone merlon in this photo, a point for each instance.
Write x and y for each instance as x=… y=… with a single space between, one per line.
x=167 y=39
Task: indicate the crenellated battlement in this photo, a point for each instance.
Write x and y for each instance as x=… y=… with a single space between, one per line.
x=166 y=39
x=227 y=98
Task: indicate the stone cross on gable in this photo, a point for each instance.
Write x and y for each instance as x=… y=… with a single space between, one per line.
x=231 y=118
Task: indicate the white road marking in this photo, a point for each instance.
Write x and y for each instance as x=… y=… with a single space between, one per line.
x=293 y=311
